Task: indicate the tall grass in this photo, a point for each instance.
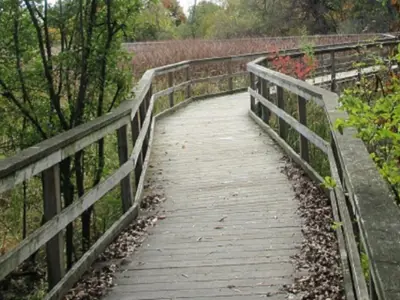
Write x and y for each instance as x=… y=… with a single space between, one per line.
x=154 y=54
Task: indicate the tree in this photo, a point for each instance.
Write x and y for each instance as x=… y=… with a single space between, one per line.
x=62 y=65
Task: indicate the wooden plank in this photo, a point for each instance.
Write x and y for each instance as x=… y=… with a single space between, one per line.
x=219 y=94
x=11 y=260
x=172 y=68
x=358 y=278
x=126 y=185
x=289 y=151
x=90 y=256
x=35 y=168
x=171 y=84
x=171 y=110
x=202 y=133
x=288 y=83
x=347 y=279
x=302 y=109
x=52 y=207
x=300 y=128
x=172 y=89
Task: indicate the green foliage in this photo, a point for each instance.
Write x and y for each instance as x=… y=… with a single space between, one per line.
x=329 y=183
x=373 y=108
x=336 y=225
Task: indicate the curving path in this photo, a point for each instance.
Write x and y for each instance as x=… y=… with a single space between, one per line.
x=230 y=223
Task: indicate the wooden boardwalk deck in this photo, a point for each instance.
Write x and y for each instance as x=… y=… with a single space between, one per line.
x=231 y=224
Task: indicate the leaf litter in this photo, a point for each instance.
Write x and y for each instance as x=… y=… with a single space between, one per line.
x=319 y=257
x=97 y=281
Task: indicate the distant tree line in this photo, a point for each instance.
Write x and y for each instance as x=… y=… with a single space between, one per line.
x=238 y=18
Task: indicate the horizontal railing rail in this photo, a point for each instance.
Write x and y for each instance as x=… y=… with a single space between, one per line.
x=360 y=192
x=137 y=116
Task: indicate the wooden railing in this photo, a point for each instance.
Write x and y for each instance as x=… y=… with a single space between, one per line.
x=137 y=117
x=360 y=193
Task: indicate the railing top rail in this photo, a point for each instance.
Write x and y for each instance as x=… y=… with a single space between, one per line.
x=377 y=215
x=33 y=154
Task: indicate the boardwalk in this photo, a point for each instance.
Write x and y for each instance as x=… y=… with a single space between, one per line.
x=231 y=224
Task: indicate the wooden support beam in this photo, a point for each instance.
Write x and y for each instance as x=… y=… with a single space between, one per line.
x=302 y=109
x=252 y=86
x=52 y=207
x=333 y=72
x=265 y=112
x=189 y=87
x=281 y=105
x=230 y=78
x=126 y=184
x=171 y=84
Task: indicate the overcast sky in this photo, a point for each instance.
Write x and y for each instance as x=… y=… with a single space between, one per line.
x=186 y=4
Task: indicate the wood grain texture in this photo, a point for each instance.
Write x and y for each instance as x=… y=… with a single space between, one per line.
x=214 y=163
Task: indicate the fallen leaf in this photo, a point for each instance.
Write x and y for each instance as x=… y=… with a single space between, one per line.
x=222 y=219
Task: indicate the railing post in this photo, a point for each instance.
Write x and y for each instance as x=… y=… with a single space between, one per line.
x=146 y=140
x=302 y=108
x=333 y=72
x=189 y=87
x=281 y=105
x=126 y=185
x=252 y=86
x=230 y=78
x=359 y=63
x=135 y=129
x=171 y=84
x=52 y=206
x=259 y=104
x=265 y=113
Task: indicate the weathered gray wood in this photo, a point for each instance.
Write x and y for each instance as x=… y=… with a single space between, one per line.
x=253 y=86
x=360 y=286
x=171 y=84
x=43 y=234
x=135 y=130
x=219 y=94
x=35 y=168
x=171 y=110
x=172 y=89
x=89 y=257
x=126 y=184
x=230 y=79
x=163 y=257
x=171 y=68
x=333 y=72
x=302 y=109
x=265 y=92
x=189 y=87
x=289 y=151
x=288 y=119
x=347 y=279
x=52 y=207
x=282 y=127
